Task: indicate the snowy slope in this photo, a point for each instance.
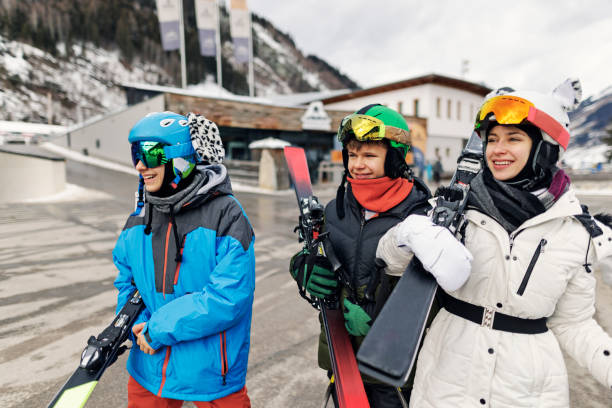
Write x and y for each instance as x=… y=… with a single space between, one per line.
x=87 y=83
x=588 y=125
x=83 y=87
x=590 y=120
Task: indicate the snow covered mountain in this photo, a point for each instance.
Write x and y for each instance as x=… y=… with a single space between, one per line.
x=76 y=67
x=589 y=122
x=590 y=119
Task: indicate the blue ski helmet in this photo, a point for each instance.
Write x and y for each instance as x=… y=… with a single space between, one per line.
x=172 y=130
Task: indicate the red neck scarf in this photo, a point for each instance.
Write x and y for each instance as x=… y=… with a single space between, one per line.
x=380 y=194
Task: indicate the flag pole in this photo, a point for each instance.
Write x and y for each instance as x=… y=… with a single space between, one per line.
x=218 y=39
x=182 y=49
x=251 y=73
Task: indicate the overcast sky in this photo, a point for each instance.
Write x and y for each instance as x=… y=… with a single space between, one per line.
x=524 y=44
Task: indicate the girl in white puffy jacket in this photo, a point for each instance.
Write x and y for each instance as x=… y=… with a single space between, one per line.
x=531 y=290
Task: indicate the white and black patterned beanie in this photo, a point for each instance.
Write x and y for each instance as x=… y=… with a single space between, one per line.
x=205 y=139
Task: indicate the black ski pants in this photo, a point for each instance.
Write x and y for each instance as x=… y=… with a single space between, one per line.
x=381 y=396
x=385 y=396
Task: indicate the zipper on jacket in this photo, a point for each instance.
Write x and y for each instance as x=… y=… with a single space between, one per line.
x=163 y=381
x=363 y=221
x=357 y=257
x=178 y=265
x=166 y=259
x=534 y=259
x=223 y=342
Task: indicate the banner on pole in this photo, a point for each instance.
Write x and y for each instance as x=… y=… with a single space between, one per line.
x=168 y=15
x=240 y=27
x=207 y=22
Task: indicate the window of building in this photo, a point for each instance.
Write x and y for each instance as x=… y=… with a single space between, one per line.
x=416 y=107
x=448 y=152
x=97 y=143
x=438 y=108
x=448 y=108
x=458 y=110
x=399 y=107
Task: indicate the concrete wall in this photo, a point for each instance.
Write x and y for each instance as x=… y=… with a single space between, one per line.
x=106 y=138
x=25 y=177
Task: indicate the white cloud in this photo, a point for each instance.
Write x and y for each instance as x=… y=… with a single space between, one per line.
x=520 y=43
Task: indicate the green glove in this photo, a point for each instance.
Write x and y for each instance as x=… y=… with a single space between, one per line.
x=314 y=273
x=356 y=320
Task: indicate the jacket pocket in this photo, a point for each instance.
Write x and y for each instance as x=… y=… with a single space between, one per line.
x=223 y=351
x=532 y=263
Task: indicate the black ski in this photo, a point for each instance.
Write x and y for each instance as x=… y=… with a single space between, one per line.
x=389 y=351
x=100 y=353
x=347 y=379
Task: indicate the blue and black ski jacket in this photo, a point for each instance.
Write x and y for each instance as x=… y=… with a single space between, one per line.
x=192 y=260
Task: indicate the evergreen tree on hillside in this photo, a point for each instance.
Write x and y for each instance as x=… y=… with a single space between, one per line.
x=123 y=36
x=132 y=27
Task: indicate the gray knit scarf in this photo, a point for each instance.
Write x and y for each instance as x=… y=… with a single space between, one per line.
x=203 y=181
x=511 y=206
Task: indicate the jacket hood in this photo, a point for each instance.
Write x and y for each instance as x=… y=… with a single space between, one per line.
x=208 y=181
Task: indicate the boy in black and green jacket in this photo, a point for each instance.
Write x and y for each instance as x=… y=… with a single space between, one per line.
x=381 y=193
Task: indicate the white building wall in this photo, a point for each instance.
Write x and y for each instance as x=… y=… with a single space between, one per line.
x=402 y=100
x=446 y=134
x=107 y=137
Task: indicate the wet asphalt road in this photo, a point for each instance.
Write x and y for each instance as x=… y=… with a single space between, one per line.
x=56 y=290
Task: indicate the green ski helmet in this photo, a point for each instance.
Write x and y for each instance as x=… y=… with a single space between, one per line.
x=375 y=122
x=378 y=122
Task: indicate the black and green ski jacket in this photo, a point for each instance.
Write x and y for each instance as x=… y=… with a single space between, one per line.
x=354 y=240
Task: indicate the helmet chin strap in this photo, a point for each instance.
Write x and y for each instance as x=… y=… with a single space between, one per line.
x=395 y=164
x=543 y=162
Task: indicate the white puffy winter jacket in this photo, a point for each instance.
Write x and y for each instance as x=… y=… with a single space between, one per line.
x=464 y=364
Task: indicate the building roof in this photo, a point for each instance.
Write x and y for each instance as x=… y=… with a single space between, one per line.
x=251 y=115
x=30 y=128
x=408 y=83
x=205 y=91
x=304 y=98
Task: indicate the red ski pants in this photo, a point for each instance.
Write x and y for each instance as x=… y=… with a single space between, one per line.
x=139 y=397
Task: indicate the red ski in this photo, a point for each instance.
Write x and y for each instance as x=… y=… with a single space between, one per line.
x=347 y=379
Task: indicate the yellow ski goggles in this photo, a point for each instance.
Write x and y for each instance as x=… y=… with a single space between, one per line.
x=512 y=110
x=364 y=127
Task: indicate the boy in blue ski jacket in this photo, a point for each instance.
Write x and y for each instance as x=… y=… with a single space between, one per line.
x=188 y=249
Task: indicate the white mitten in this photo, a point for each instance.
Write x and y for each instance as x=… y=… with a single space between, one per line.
x=441 y=254
x=396 y=258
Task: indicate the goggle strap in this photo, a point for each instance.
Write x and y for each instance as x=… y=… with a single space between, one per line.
x=176 y=181
x=549 y=125
x=398 y=135
x=178 y=150
x=363 y=110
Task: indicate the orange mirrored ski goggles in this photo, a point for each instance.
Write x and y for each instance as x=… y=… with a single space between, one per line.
x=513 y=110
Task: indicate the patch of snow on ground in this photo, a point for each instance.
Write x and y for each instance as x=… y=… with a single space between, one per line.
x=71 y=193
x=269 y=143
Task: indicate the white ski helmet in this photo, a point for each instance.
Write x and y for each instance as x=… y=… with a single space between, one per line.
x=548 y=112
